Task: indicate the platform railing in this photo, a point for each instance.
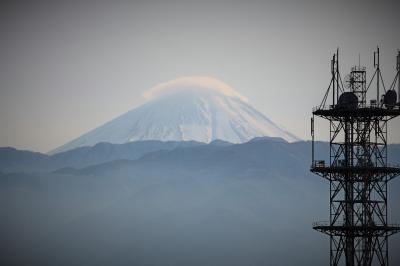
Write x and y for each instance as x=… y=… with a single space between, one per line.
x=340 y=163
x=365 y=106
x=326 y=223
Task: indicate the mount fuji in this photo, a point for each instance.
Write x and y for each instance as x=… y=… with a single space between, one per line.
x=202 y=109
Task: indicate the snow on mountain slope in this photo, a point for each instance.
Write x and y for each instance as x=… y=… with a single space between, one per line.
x=189 y=108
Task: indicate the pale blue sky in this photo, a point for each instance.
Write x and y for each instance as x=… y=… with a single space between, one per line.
x=68 y=67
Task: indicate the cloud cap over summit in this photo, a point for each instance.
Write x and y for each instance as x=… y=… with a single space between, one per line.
x=192 y=82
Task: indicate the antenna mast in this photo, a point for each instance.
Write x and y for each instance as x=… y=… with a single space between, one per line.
x=378 y=74
x=337 y=75
x=398 y=75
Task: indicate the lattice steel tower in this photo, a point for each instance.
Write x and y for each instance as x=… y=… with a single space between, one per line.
x=357 y=168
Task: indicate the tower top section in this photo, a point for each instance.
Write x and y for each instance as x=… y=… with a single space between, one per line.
x=354 y=96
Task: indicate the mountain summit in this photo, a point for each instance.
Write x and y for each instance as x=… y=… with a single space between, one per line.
x=188 y=108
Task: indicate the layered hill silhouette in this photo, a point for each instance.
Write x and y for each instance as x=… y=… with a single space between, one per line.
x=177 y=203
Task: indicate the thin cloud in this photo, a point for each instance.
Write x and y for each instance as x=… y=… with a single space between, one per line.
x=190 y=82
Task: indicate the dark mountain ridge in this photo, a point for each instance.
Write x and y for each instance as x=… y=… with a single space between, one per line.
x=13 y=160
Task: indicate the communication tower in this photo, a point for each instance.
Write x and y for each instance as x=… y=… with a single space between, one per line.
x=358 y=169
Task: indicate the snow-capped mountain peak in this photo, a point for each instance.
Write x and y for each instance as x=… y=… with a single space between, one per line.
x=189 y=108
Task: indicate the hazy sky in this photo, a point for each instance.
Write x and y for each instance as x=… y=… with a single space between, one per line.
x=68 y=67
